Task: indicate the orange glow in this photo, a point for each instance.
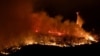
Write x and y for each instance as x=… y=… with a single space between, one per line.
x=59 y=33
x=29 y=43
x=79 y=20
x=50 y=31
x=36 y=31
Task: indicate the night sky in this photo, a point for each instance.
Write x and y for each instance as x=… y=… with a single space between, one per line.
x=89 y=10
x=15 y=14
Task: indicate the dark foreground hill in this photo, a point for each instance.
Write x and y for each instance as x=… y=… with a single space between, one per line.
x=37 y=50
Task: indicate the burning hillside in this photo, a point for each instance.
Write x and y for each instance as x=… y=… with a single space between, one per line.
x=19 y=26
x=51 y=31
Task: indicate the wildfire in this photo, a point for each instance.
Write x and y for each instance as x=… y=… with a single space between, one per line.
x=29 y=42
x=50 y=31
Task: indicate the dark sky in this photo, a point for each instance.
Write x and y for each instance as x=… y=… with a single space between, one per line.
x=65 y=6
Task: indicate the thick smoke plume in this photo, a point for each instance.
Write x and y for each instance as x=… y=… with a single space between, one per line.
x=14 y=21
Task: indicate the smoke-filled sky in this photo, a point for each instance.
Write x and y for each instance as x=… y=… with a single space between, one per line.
x=15 y=14
x=14 y=20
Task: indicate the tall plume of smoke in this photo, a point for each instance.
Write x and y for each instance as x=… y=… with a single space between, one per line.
x=14 y=21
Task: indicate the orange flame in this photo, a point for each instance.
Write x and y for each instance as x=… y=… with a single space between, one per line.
x=79 y=20
x=49 y=28
x=50 y=31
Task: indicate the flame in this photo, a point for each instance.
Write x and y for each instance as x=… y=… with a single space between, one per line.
x=5 y=53
x=79 y=20
x=21 y=27
x=29 y=42
x=50 y=31
x=91 y=38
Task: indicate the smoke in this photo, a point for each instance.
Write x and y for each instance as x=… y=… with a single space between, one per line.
x=14 y=21
x=48 y=28
x=19 y=26
x=45 y=24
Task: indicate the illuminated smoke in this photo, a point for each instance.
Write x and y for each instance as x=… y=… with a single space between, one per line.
x=14 y=21
x=19 y=26
x=54 y=28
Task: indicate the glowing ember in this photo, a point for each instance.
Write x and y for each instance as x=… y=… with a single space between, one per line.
x=36 y=31
x=29 y=43
x=5 y=53
x=91 y=38
x=10 y=50
x=59 y=33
